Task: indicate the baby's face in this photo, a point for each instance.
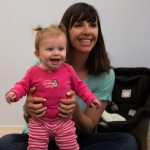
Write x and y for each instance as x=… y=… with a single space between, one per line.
x=52 y=51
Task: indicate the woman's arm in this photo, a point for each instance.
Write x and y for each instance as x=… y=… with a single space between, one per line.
x=87 y=121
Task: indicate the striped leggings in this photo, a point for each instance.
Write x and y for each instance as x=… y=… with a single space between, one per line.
x=42 y=130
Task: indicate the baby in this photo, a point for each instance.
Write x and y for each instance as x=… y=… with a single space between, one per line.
x=53 y=78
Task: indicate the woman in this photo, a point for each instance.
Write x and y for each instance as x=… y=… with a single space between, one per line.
x=88 y=56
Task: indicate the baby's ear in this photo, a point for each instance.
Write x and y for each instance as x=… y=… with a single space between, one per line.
x=36 y=53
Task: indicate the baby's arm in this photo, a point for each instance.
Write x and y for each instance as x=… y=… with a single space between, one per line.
x=10 y=97
x=95 y=103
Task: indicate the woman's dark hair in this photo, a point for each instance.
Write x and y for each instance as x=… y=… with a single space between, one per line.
x=98 y=60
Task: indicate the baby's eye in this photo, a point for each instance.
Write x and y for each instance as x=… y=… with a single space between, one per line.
x=61 y=48
x=49 y=49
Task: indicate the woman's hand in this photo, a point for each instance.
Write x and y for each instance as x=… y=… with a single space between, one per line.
x=33 y=106
x=87 y=121
x=67 y=106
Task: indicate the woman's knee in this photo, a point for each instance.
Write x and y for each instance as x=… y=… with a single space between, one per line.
x=14 y=141
x=128 y=141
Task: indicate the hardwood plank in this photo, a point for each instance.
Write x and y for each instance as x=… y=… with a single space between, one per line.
x=7 y=130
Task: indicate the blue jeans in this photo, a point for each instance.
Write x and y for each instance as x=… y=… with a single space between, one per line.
x=100 y=141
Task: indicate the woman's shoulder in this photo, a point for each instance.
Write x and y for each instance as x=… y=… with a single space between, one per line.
x=103 y=77
x=108 y=75
x=107 y=79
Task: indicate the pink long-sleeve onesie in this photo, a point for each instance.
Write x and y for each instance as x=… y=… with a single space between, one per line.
x=53 y=85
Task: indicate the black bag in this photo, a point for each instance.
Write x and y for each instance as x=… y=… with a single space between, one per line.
x=130 y=99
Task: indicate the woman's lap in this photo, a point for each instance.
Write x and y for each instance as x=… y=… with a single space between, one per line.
x=103 y=141
x=18 y=142
x=108 y=141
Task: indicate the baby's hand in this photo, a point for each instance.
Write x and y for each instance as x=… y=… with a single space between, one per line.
x=96 y=103
x=10 y=97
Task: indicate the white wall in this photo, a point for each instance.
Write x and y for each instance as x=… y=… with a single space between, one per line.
x=125 y=26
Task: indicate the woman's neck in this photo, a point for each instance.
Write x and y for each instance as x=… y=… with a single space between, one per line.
x=78 y=62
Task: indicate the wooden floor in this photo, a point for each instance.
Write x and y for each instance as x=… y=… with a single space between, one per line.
x=149 y=140
x=7 y=130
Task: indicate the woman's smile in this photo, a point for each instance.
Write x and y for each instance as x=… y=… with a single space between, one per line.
x=85 y=41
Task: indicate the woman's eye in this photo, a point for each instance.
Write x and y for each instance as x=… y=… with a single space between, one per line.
x=93 y=24
x=78 y=24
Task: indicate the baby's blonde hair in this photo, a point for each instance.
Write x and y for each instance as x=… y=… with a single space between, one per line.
x=50 y=31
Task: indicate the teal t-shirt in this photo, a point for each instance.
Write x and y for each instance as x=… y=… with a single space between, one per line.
x=101 y=86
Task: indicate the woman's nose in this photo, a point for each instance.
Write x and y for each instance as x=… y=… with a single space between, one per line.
x=86 y=28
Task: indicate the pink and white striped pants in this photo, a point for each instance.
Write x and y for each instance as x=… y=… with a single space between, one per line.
x=42 y=130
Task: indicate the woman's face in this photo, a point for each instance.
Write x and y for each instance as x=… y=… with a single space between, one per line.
x=83 y=36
